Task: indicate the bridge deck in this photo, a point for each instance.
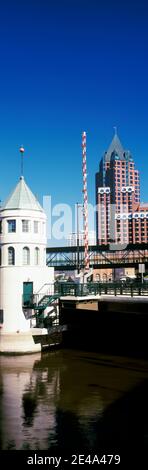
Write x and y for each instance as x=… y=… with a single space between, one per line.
x=102 y=298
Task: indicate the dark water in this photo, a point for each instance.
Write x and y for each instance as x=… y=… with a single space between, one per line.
x=73 y=401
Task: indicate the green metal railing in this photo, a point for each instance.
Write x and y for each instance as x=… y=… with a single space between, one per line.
x=39 y=302
x=98 y=288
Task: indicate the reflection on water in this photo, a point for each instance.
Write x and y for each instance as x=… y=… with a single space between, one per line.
x=72 y=400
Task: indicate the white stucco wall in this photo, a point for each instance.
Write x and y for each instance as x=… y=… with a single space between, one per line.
x=12 y=277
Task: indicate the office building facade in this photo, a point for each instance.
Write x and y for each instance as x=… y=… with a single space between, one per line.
x=121 y=219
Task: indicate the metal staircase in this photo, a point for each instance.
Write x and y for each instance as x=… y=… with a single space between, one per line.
x=45 y=301
x=47 y=296
x=42 y=299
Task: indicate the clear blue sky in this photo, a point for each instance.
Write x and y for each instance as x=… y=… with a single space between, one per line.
x=68 y=66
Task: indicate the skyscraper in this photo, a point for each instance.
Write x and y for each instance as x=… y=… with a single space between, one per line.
x=118 y=197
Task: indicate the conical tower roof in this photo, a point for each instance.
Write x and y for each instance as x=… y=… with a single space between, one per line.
x=115 y=146
x=22 y=198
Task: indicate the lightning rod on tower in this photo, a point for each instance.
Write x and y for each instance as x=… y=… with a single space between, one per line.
x=22 y=150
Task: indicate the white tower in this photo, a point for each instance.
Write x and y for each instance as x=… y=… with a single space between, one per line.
x=23 y=269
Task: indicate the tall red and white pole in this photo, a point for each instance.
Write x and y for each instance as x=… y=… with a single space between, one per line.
x=85 y=211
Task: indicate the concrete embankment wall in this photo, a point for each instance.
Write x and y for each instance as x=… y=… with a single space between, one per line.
x=29 y=342
x=106 y=326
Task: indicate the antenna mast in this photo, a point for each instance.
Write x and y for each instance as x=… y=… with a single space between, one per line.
x=85 y=199
x=22 y=161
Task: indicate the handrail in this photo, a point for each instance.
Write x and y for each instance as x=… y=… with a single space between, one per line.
x=58 y=290
x=46 y=284
x=95 y=288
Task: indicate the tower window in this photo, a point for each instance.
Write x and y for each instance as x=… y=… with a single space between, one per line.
x=43 y=228
x=11 y=256
x=11 y=225
x=25 y=225
x=37 y=255
x=36 y=226
x=26 y=255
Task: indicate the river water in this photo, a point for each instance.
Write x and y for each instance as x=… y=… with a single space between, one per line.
x=76 y=401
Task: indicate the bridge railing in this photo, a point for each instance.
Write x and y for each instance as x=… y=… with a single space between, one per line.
x=96 y=288
x=62 y=289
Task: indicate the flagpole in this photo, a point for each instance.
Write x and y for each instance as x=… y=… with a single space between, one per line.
x=22 y=160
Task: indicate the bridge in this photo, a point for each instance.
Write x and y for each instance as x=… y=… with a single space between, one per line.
x=101 y=256
x=53 y=292
x=35 y=305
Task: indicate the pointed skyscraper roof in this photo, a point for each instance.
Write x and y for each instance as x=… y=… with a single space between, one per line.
x=22 y=198
x=115 y=146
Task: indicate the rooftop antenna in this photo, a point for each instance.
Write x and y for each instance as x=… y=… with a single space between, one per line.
x=22 y=160
x=85 y=199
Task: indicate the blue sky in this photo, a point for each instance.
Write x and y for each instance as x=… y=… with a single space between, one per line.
x=69 y=66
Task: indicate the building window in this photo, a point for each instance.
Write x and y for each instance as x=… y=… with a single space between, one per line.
x=36 y=226
x=37 y=255
x=43 y=228
x=0 y=226
x=25 y=225
x=11 y=256
x=26 y=255
x=11 y=225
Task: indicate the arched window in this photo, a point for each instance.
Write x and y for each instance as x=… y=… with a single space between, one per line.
x=11 y=256
x=37 y=255
x=26 y=255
